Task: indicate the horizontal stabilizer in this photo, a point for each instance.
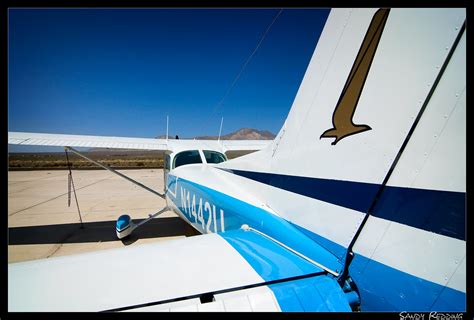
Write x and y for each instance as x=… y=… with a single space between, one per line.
x=177 y=274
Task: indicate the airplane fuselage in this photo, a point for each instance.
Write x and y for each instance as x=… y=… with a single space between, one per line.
x=227 y=206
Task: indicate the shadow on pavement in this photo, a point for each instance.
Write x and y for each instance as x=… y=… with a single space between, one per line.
x=97 y=231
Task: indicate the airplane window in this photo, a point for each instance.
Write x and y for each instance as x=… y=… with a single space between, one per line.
x=214 y=156
x=187 y=157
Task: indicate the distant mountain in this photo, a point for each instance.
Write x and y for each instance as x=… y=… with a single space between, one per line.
x=242 y=134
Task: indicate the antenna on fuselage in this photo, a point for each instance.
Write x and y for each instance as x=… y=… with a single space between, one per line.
x=220 y=130
x=166 y=128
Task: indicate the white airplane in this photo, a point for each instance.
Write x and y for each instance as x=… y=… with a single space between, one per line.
x=358 y=204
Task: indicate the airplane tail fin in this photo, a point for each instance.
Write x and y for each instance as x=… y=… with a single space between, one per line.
x=374 y=146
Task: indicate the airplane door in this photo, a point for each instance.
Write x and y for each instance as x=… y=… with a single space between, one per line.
x=166 y=169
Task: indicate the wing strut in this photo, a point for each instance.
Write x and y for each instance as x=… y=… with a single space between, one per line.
x=70 y=182
x=116 y=172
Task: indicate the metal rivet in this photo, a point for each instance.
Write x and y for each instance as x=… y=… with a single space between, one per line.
x=446 y=48
x=436 y=136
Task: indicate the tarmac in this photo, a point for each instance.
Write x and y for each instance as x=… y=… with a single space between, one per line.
x=42 y=225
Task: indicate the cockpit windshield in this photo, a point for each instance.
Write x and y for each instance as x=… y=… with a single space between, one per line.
x=187 y=157
x=214 y=156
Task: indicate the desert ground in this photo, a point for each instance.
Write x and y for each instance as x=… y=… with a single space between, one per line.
x=41 y=225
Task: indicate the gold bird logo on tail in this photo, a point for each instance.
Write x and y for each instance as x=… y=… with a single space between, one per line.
x=345 y=107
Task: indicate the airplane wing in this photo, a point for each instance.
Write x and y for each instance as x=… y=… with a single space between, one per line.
x=238 y=270
x=87 y=141
x=244 y=145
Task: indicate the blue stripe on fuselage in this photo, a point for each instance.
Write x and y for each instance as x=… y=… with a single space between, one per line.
x=269 y=260
x=272 y=262
x=442 y=212
x=379 y=285
x=353 y=195
x=316 y=294
x=237 y=212
x=333 y=247
x=383 y=288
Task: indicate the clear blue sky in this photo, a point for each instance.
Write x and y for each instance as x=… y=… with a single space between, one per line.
x=121 y=71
